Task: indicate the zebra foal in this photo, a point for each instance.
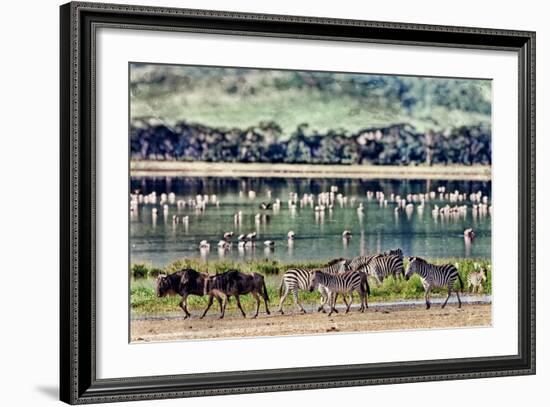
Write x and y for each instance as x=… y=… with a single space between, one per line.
x=433 y=275
x=345 y=283
x=476 y=279
x=298 y=279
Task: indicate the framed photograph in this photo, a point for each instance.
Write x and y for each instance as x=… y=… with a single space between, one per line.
x=254 y=203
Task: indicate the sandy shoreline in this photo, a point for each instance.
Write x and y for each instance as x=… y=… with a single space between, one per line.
x=182 y=168
x=376 y=318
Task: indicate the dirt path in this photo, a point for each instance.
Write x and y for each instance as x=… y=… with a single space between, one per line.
x=376 y=318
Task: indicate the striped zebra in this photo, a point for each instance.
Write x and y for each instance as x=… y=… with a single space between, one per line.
x=435 y=276
x=382 y=266
x=298 y=279
x=379 y=265
x=344 y=283
x=359 y=262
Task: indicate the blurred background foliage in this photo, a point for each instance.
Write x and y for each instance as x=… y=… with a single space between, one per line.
x=251 y=115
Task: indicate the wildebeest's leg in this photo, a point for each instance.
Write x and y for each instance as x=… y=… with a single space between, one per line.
x=210 y=300
x=266 y=307
x=282 y=300
x=219 y=302
x=263 y=292
x=257 y=298
x=239 y=305
x=225 y=301
x=183 y=305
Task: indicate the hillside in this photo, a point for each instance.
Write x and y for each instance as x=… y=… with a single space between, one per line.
x=241 y=98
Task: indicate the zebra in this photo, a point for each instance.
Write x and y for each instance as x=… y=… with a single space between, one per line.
x=359 y=262
x=382 y=266
x=476 y=279
x=296 y=279
x=394 y=252
x=435 y=276
x=344 y=283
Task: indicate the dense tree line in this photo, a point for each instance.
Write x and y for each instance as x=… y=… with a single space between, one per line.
x=395 y=145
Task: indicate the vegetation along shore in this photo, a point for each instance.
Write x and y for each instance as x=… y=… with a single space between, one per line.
x=144 y=301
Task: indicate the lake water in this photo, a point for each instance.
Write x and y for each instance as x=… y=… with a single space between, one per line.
x=318 y=235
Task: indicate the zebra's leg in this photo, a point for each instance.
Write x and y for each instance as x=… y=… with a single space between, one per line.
x=297 y=302
x=282 y=300
x=257 y=298
x=345 y=298
x=210 y=300
x=458 y=297
x=324 y=300
x=239 y=305
x=449 y=292
x=335 y=298
x=348 y=306
x=332 y=302
x=362 y=297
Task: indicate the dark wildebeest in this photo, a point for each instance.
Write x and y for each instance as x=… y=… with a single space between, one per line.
x=185 y=282
x=236 y=283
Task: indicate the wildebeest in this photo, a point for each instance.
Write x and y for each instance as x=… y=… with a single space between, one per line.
x=236 y=283
x=184 y=282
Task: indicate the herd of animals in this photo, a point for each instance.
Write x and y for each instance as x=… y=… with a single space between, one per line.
x=340 y=277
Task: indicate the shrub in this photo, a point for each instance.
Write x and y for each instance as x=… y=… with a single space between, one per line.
x=268 y=267
x=154 y=272
x=139 y=270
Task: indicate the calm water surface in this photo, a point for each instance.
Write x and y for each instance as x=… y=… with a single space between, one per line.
x=158 y=241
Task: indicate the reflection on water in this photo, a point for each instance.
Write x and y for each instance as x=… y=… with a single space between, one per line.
x=317 y=211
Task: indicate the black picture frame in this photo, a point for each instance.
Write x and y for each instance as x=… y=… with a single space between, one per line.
x=78 y=382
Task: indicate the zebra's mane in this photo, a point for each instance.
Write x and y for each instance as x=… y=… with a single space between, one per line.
x=419 y=259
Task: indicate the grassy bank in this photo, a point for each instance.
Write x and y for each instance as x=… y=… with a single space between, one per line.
x=180 y=168
x=144 y=301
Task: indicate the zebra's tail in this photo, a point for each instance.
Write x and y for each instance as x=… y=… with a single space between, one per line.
x=281 y=287
x=461 y=283
x=365 y=283
x=266 y=297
